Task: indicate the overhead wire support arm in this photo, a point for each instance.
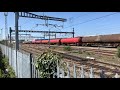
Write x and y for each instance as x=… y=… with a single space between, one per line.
x=31 y=15
x=41 y=31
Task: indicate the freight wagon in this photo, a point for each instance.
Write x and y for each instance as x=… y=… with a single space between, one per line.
x=76 y=41
x=100 y=40
x=55 y=41
x=112 y=40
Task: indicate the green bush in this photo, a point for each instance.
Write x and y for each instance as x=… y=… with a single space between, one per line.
x=3 y=42
x=4 y=64
x=118 y=52
x=11 y=73
x=67 y=48
x=1 y=63
x=47 y=64
x=0 y=53
x=1 y=74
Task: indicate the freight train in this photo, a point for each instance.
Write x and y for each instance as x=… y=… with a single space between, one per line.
x=100 y=40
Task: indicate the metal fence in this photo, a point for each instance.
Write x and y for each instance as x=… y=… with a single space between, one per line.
x=81 y=72
x=24 y=67
x=21 y=64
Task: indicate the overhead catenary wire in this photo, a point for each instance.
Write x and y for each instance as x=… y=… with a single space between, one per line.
x=79 y=16
x=29 y=20
x=92 y=19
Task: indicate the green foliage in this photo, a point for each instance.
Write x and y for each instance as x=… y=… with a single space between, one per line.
x=67 y=48
x=118 y=52
x=47 y=64
x=11 y=73
x=1 y=61
x=0 y=53
x=1 y=75
x=4 y=64
x=3 y=42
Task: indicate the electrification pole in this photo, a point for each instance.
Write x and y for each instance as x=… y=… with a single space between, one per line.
x=49 y=38
x=6 y=33
x=16 y=30
x=16 y=38
x=1 y=33
x=73 y=32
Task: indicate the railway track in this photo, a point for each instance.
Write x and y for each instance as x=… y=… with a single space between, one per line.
x=100 y=51
x=97 y=65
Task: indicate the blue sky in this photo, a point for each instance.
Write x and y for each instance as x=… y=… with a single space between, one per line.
x=106 y=25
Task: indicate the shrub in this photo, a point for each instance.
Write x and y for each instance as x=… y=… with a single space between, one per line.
x=118 y=52
x=47 y=64
x=0 y=53
x=11 y=73
x=67 y=48
x=4 y=64
x=1 y=75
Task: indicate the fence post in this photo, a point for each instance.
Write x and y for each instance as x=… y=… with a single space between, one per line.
x=75 y=76
x=68 y=74
x=58 y=71
x=31 y=65
x=116 y=75
x=62 y=73
x=91 y=72
x=11 y=55
x=33 y=70
x=82 y=72
x=102 y=74
x=38 y=73
x=8 y=53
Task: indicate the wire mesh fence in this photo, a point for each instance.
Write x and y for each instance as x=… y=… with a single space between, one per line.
x=24 y=66
x=20 y=63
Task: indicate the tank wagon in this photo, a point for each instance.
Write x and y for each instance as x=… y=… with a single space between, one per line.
x=45 y=41
x=55 y=41
x=100 y=40
x=76 y=41
x=36 y=41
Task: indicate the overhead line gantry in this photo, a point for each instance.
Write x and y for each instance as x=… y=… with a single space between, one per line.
x=31 y=15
